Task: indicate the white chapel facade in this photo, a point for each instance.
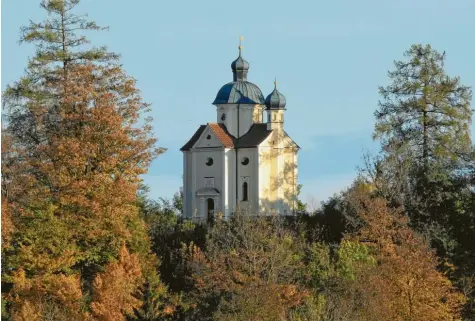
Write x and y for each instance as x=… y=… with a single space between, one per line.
x=245 y=159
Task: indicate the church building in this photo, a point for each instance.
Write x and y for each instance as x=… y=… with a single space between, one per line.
x=245 y=160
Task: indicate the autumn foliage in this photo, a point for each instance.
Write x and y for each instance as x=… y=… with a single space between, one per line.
x=249 y=270
x=405 y=284
x=80 y=241
x=114 y=289
x=77 y=144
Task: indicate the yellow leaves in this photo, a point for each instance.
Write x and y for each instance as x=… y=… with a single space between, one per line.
x=114 y=289
x=34 y=298
x=75 y=194
x=7 y=223
x=169 y=310
x=406 y=283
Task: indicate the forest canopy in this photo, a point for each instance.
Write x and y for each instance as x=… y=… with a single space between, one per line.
x=82 y=239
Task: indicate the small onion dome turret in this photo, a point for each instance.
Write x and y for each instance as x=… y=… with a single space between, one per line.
x=275 y=100
x=240 y=67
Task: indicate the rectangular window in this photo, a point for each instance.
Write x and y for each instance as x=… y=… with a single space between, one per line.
x=209 y=182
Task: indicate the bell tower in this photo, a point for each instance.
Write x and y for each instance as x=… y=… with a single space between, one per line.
x=275 y=107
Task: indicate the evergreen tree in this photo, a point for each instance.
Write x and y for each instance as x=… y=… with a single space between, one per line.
x=423 y=122
x=78 y=143
x=427 y=157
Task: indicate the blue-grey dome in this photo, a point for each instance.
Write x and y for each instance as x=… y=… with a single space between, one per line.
x=239 y=64
x=239 y=92
x=275 y=100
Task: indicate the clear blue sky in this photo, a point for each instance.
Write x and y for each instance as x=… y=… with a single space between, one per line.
x=328 y=56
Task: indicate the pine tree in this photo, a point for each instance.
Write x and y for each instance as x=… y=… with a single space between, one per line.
x=424 y=112
x=423 y=122
x=79 y=143
x=427 y=158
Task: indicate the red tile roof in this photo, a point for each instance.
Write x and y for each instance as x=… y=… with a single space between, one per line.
x=222 y=134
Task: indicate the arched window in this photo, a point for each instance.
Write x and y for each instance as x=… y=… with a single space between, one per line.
x=244 y=192
x=210 y=210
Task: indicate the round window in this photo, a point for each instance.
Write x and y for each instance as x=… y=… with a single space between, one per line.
x=209 y=161
x=208 y=137
x=245 y=161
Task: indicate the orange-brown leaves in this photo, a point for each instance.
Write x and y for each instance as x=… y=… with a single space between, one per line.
x=114 y=289
x=72 y=190
x=405 y=285
x=46 y=297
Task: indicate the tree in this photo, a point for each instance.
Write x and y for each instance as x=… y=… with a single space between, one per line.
x=424 y=112
x=79 y=144
x=423 y=120
x=114 y=289
x=405 y=284
x=427 y=159
x=249 y=271
x=301 y=206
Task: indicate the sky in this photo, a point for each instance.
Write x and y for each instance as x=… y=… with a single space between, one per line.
x=329 y=58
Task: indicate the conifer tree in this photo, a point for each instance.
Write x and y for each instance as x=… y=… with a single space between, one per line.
x=424 y=112
x=423 y=122
x=427 y=158
x=78 y=143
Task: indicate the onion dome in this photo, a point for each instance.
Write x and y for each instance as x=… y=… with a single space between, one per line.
x=239 y=92
x=240 y=67
x=275 y=100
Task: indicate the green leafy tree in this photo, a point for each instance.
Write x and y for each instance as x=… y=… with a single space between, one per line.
x=249 y=270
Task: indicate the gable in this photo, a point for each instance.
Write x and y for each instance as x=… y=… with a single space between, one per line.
x=287 y=142
x=214 y=135
x=193 y=139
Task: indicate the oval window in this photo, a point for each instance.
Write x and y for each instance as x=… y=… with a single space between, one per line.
x=223 y=117
x=209 y=161
x=208 y=137
x=245 y=161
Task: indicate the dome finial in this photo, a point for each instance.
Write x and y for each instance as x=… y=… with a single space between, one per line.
x=275 y=82
x=241 y=38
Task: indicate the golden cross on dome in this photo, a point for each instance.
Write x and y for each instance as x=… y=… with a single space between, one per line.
x=241 y=38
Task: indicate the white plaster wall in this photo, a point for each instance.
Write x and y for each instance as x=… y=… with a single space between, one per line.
x=231 y=183
x=264 y=178
x=246 y=118
x=201 y=170
x=225 y=183
x=277 y=174
x=250 y=174
x=246 y=112
x=187 y=192
x=275 y=119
